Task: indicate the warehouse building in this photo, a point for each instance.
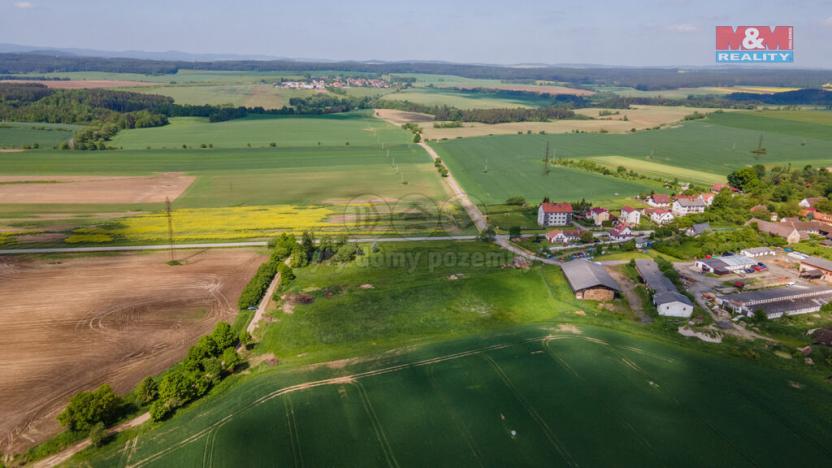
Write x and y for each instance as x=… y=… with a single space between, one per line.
x=590 y=281
x=776 y=302
x=817 y=267
x=726 y=264
x=667 y=299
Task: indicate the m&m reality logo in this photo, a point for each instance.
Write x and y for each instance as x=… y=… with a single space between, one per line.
x=754 y=44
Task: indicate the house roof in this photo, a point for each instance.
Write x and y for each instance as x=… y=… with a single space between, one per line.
x=817 y=262
x=628 y=209
x=812 y=201
x=567 y=233
x=583 y=274
x=660 y=211
x=719 y=187
x=620 y=229
x=652 y=276
x=758 y=250
x=691 y=202
x=556 y=207
x=599 y=210
x=667 y=297
x=699 y=228
x=777 y=294
x=660 y=198
x=778 y=229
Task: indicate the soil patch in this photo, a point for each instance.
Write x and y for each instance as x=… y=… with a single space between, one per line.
x=93 y=189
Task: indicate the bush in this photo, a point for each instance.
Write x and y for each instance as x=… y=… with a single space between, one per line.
x=98 y=434
x=146 y=392
x=87 y=409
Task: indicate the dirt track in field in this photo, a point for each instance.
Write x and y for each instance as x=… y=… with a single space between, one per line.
x=74 y=323
x=93 y=189
x=84 y=84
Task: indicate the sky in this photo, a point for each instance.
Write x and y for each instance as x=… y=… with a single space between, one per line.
x=634 y=32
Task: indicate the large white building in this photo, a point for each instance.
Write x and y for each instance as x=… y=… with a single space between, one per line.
x=684 y=206
x=554 y=214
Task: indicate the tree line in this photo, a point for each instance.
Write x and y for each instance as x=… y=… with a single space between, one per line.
x=640 y=78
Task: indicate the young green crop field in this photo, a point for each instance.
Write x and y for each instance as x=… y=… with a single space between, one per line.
x=713 y=147
x=19 y=134
x=349 y=129
x=537 y=395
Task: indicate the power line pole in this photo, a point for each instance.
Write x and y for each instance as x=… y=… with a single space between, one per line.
x=546 y=161
x=170 y=228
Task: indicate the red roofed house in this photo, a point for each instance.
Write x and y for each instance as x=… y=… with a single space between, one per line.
x=659 y=200
x=660 y=215
x=598 y=215
x=716 y=188
x=554 y=214
x=708 y=198
x=621 y=232
x=630 y=216
x=815 y=215
x=563 y=237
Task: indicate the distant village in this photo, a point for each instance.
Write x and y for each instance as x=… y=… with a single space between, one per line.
x=339 y=83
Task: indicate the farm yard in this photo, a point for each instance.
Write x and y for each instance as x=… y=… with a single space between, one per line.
x=539 y=394
x=74 y=322
x=701 y=149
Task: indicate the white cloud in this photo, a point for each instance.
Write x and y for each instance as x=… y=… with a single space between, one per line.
x=23 y=5
x=682 y=28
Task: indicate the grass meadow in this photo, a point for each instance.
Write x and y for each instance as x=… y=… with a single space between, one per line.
x=702 y=150
x=462 y=100
x=19 y=134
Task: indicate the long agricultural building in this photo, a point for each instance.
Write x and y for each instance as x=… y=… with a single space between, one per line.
x=776 y=302
x=668 y=300
x=590 y=281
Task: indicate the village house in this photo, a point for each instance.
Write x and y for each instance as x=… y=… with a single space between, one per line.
x=716 y=188
x=590 y=281
x=598 y=215
x=621 y=232
x=815 y=215
x=630 y=216
x=559 y=236
x=708 y=198
x=659 y=200
x=684 y=206
x=660 y=216
x=785 y=230
x=554 y=214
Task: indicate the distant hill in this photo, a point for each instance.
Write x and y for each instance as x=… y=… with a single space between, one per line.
x=170 y=55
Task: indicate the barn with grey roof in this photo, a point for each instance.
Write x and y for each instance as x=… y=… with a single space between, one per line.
x=590 y=281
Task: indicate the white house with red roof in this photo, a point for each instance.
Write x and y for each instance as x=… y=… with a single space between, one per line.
x=630 y=216
x=660 y=215
x=621 y=232
x=685 y=205
x=659 y=200
x=559 y=236
x=708 y=198
x=554 y=214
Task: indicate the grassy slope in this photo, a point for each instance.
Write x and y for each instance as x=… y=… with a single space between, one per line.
x=716 y=145
x=462 y=100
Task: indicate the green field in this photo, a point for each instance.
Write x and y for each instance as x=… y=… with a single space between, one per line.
x=534 y=396
x=297 y=174
x=350 y=129
x=710 y=147
x=19 y=134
